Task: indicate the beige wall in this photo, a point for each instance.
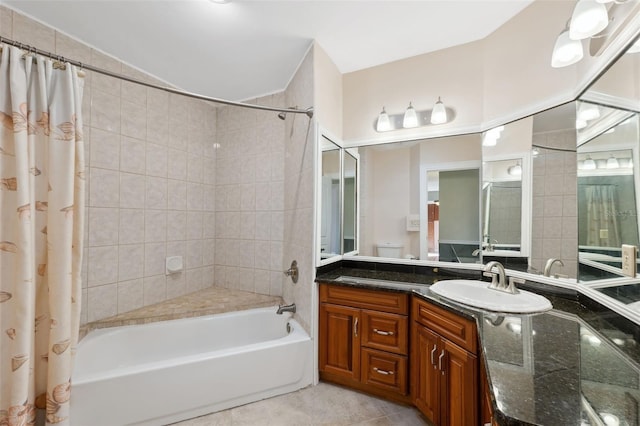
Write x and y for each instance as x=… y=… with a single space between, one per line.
x=151 y=170
x=327 y=91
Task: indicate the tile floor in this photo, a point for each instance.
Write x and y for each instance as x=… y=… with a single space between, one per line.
x=324 y=404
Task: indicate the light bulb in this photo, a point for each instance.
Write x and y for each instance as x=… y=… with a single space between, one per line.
x=383 y=124
x=588 y=19
x=410 y=118
x=438 y=113
x=566 y=51
x=612 y=163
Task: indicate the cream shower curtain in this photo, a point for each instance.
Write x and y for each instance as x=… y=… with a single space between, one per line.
x=41 y=232
x=603 y=229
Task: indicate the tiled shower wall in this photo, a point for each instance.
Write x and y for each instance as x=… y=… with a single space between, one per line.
x=250 y=198
x=555 y=219
x=151 y=181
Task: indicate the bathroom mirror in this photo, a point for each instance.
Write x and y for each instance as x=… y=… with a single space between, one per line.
x=350 y=200
x=399 y=196
x=330 y=199
x=608 y=177
x=607 y=189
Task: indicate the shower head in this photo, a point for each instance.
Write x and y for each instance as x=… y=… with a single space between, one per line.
x=282 y=115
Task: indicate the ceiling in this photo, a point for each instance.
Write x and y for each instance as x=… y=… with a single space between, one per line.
x=244 y=49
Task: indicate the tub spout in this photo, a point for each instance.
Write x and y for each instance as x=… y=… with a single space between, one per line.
x=286 y=308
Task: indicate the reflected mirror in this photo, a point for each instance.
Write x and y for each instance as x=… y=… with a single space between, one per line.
x=405 y=189
x=502 y=206
x=349 y=222
x=330 y=199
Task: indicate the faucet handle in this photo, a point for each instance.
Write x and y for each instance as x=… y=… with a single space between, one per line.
x=514 y=280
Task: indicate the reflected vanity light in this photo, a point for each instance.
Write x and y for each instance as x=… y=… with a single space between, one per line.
x=610 y=419
x=413 y=118
x=612 y=163
x=514 y=327
x=491 y=136
x=580 y=124
x=589 y=164
x=588 y=112
x=566 y=51
x=515 y=170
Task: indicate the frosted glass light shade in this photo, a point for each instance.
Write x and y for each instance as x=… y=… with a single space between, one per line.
x=612 y=163
x=438 y=113
x=566 y=51
x=491 y=136
x=589 y=164
x=580 y=124
x=383 y=124
x=588 y=19
x=515 y=170
x=410 y=118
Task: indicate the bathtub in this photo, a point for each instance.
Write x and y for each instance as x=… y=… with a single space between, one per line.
x=169 y=371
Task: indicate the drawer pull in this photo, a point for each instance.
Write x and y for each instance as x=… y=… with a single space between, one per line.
x=433 y=351
x=383 y=333
x=355 y=327
x=385 y=372
x=440 y=361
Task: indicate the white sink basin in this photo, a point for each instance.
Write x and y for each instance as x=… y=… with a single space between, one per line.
x=476 y=294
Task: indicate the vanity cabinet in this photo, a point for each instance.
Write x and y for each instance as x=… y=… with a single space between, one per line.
x=444 y=365
x=364 y=340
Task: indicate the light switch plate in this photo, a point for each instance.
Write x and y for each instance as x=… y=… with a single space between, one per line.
x=629 y=260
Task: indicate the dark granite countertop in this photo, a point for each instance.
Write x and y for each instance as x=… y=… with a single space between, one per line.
x=578 y=364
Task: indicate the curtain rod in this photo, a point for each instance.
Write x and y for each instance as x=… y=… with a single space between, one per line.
x=308 y=112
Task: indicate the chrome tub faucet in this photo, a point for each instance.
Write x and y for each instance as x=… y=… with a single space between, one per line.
x=286 y=308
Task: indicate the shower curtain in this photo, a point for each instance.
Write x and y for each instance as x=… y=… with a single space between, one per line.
x=603 y=229
x=41 y=235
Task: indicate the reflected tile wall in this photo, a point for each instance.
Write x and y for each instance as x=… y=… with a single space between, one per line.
x=151 y=176
x=554 y=218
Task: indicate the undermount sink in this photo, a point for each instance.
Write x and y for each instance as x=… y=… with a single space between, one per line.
x=477 y=294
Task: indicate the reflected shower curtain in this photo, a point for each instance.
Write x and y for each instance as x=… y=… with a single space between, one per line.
x=41 y=231
x=603 y=229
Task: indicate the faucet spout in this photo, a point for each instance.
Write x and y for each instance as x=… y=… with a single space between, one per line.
x=497 y=278
x=549 y=265
x=286 y=308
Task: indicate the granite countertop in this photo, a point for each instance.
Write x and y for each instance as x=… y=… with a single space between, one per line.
x=577 y=364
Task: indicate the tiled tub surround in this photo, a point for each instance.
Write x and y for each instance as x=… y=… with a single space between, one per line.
x=542 y=367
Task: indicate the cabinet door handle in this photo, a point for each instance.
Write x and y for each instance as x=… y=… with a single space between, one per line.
x=385 y=372
x=355 y=327
x=433 y=351
x=383 y=333
x=440 y=361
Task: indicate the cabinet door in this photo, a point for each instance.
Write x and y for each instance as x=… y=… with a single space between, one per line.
x=425 y=376
x=458 y=388
x=339 y=344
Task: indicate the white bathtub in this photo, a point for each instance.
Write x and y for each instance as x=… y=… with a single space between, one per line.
x=169 y=371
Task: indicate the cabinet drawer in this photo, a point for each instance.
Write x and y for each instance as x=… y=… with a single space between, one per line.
x=387 y=332
x=384 y=370
x=379 y=300
x=452 y=327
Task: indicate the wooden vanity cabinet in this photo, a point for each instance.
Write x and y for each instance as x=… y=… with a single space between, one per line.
x=444 y=365
x=364 y=340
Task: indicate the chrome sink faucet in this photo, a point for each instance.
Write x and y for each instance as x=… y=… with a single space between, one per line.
x=549 y=265
x=498 y=279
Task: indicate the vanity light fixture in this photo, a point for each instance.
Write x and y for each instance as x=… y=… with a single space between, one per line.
x=515 y=170
x=383 y=123
x=438 y=113
x=588 y=19
x=410 y=117
x=566 y=51
x=491 y=136
x=612 y=163
x=589 y=164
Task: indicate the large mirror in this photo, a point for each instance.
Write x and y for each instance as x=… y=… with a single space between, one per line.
x=421 y=199
x=330 y=199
